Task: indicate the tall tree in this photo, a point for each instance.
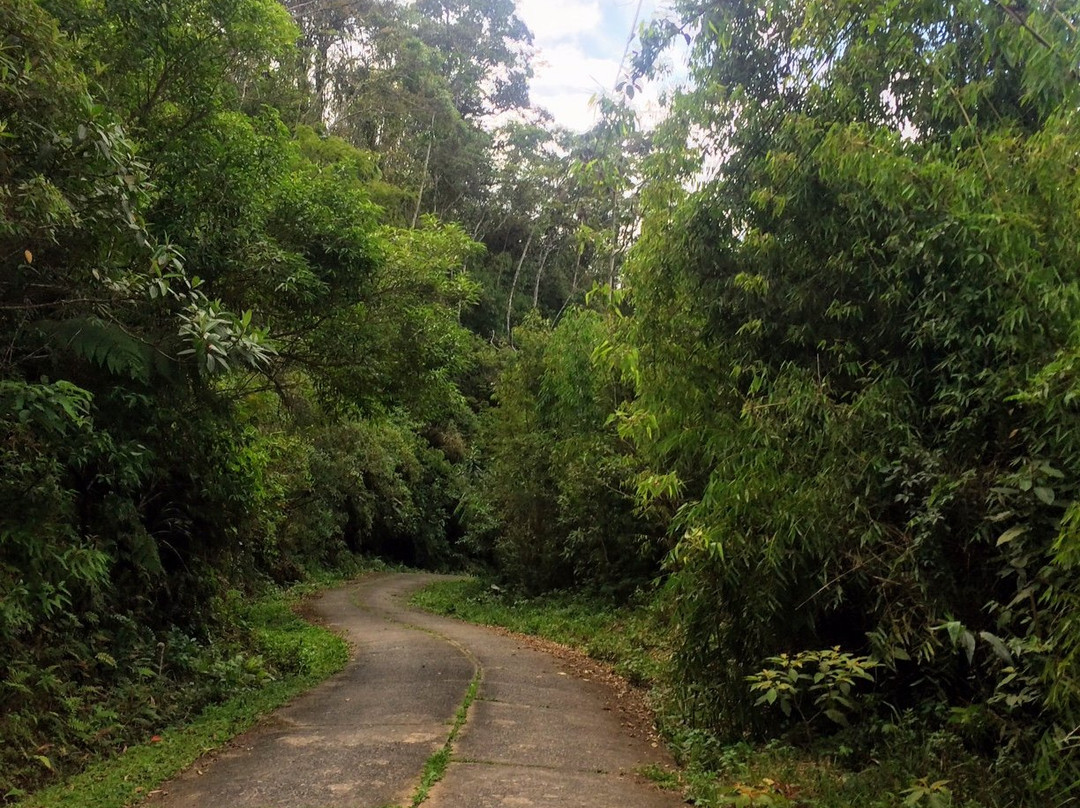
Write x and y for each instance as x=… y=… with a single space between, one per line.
x=485 y=51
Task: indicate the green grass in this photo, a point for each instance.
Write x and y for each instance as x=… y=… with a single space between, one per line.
x=889 y=764
x=630 y=639
x=309 y=654
x=913 y=773
x=435 y=767
x=665 y=778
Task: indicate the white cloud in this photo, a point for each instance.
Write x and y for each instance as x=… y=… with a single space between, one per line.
x=578 y=46
x=554 y=20
x=566 y=78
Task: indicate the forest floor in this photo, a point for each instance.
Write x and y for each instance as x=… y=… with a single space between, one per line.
x=434 y=710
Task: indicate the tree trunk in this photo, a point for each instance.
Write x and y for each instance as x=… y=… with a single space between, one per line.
x=573 y=289
x=513 y=287
x=423 y=175
x=540 y=274
x=614 y=237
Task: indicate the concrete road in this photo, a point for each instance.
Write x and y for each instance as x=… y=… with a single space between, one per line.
x=535 y=735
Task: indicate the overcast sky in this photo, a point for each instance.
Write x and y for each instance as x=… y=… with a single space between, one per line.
x=579 y=44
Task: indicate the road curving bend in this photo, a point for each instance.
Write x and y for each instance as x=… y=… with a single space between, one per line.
x=534 y=736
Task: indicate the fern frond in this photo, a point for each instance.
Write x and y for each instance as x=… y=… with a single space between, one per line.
x=102 y=343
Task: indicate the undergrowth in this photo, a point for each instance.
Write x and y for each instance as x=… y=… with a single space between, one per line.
x=911 y=759
x=630 y=638
x=206 y=694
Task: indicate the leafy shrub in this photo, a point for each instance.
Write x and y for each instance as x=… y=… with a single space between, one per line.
x=554 y=506
x=824 y=679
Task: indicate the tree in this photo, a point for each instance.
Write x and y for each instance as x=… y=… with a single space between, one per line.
x=484 y=48
x=553 y=505
x=835 y=331
x=160 y=447
x=412 y=84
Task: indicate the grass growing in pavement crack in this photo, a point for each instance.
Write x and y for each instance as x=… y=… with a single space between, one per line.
x=436 y=765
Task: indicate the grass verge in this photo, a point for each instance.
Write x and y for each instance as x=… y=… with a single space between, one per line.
x=911 y=760
x=632 y=640
x=305 y=653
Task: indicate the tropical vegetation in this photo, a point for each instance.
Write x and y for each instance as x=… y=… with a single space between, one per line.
x=788 y=379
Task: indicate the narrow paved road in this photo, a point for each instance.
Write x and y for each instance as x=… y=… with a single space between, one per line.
x=535 y=736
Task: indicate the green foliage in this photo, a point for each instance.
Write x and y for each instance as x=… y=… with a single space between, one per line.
x=847 y=345
x=369 y=487
x=933 y=795
x=826 y=679
x=554 y=506
x=46 y=568
x=842 y=370
x=830 y=403
x=223 y=362
x=297 y=655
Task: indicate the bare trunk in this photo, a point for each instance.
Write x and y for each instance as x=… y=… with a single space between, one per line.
x=614 y=237
x=540 y=274
x=479 y=225
x=573 y=288
x=423 y=175
x=513 y=287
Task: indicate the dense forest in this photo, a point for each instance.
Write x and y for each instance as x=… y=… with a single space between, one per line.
x=284 y=284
